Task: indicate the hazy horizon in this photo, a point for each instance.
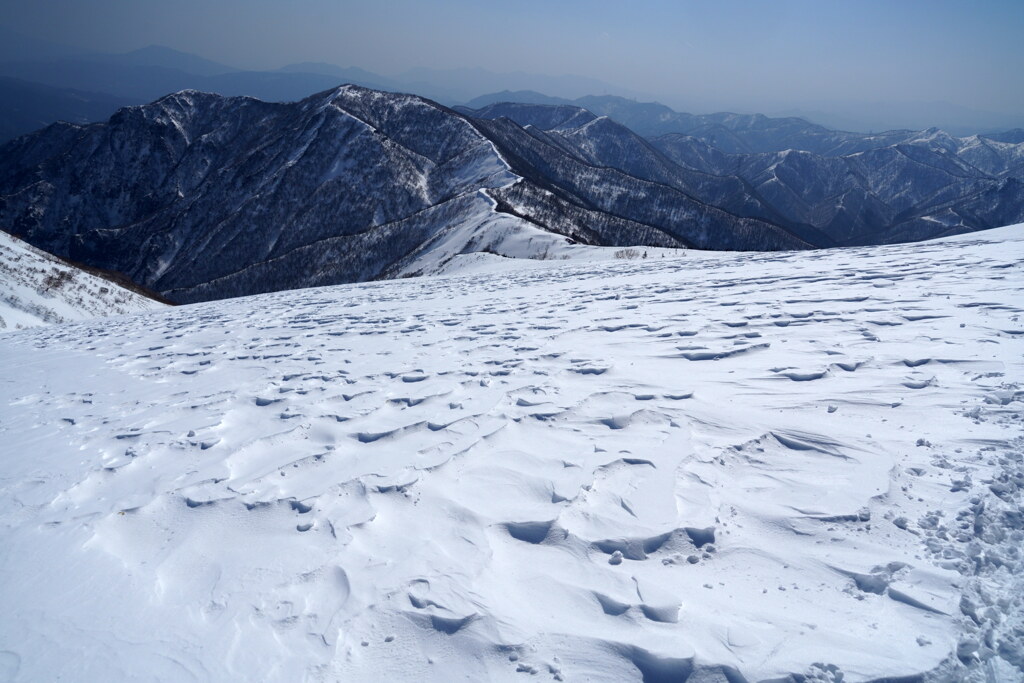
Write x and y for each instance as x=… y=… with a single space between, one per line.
x=791 y=56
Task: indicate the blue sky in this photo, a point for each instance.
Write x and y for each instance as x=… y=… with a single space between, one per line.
x=742 y=54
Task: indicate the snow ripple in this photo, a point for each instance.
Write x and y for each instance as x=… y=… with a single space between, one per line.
x=580 y=471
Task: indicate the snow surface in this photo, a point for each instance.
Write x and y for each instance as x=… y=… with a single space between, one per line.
x=728 y=466
x=482 y=239
x=38 y=289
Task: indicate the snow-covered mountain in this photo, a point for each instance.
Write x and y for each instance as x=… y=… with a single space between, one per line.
x=928 y=185
x=802 y=466
x=37 y=289
x=859 y=189
x=203 y=197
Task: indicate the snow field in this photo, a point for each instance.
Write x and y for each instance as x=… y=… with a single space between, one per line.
x=728 y=466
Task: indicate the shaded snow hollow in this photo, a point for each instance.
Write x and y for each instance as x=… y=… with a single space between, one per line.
x=722 y=466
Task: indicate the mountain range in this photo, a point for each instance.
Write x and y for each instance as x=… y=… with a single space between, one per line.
x=200 y=196
x=148 y=73
x=204 y=196
x=831 y=188
x=729 y=132
x=696 y=397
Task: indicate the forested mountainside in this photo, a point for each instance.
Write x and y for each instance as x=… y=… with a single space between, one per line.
x=897 y=187
x=202 y=197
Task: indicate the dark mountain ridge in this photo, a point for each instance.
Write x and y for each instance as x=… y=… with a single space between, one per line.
x=200 y=196
x=924 y=184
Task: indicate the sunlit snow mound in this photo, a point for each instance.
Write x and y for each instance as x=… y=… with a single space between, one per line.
x=705 y=467
x=39 y=289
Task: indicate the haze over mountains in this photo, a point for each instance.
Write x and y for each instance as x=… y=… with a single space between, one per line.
x=143 y=75
x=148 y=73
x=209 y=195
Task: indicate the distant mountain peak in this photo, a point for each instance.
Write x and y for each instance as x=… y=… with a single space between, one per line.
x=165 y=58
x=519 y=96
x=157 y=50
x=203 y=196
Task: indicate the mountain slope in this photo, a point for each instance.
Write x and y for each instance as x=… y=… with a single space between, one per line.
x=671 y=211
x=918 y=189
x=928 y=185
x=38 y=289
x=714 y=467
x=516 y=96
x=462 y=84
x=204 y=197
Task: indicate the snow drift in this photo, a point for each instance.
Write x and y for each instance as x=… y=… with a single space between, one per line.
x=707 y=467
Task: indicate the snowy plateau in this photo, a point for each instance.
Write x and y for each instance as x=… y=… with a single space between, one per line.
x=695 y=466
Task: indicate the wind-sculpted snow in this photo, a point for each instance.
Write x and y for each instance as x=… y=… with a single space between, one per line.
x=707 y=467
